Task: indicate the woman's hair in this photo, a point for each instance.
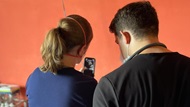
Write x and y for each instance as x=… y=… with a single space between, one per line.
x=72 y=31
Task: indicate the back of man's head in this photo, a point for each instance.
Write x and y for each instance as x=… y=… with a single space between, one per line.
x=140 y=18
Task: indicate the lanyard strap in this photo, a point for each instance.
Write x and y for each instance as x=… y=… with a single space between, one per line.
x=145 y=47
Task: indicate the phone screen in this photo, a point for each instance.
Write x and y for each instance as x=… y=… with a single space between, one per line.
x=89 y=65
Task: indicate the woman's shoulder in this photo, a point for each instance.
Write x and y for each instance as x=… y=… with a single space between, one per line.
x=85 y=78
x=75 y=74
x=36 y=71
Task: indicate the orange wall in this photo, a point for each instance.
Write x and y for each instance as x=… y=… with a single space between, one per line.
x=24 y=23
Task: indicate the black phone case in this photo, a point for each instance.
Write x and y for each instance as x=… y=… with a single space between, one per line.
x=89 y=64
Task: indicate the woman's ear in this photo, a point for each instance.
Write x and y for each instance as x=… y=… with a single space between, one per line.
x=126 y=36
x=82 y=51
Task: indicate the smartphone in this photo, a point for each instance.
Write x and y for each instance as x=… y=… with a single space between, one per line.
x=89 y=65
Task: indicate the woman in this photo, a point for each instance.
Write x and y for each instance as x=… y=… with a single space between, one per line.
x=56 y=83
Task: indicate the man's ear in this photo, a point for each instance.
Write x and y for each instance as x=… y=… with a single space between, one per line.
x=127 y=36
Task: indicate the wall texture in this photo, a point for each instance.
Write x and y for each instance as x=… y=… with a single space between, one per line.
x=24 y=23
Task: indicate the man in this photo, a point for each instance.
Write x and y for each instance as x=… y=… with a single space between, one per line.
x=152 y=75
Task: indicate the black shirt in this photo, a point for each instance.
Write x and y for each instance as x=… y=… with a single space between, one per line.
x=148 y=80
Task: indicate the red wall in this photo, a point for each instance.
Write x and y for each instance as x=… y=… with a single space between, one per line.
x=24 y=23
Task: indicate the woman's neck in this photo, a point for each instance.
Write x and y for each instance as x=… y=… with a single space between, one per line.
x=69 y=61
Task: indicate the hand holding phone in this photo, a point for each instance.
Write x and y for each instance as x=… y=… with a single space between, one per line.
x=89 y=66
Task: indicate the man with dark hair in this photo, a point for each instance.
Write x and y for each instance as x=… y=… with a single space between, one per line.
x=151 y=75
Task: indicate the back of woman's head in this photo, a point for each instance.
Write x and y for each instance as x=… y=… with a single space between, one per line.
x=72 y=31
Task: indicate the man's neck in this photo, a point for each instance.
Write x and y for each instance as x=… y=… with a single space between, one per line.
x=138 y=44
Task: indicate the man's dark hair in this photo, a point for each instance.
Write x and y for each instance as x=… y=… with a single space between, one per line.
x=140 y=18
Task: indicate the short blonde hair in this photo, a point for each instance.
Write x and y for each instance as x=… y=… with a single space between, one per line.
x=62 y=39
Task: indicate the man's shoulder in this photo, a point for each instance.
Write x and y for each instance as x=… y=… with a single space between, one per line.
x=125 y=68
x=115 y=73
x=120 y=74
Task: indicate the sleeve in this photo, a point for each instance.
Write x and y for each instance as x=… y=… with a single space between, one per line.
x=104 y=95
x=26 y=85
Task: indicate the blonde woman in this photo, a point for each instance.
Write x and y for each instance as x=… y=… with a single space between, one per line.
x=56 y=83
